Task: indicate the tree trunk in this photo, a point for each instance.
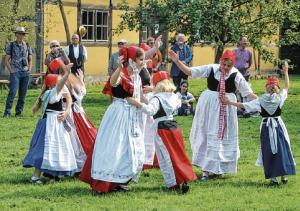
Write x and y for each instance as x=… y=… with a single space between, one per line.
x=258 y=62
x=78 y=17
x=110 y=28
x=63 y=15
x=39 y=35
x=254 y=59
x=16 y=6
x=219 y=50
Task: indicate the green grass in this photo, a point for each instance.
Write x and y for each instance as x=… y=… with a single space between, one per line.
x=244 y=191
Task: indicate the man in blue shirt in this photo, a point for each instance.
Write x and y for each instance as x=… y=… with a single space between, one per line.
x=18 y=60
x=185 y=55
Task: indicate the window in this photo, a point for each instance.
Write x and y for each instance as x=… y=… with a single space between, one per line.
x=96 y=23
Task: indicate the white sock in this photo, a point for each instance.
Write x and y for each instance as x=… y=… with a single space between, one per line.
x=205 y=173
x=274 y=179
x=34 y=178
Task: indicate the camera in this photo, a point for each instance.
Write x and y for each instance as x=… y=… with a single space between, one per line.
x=24 y=62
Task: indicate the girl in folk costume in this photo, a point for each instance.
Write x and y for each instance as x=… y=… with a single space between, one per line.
x=51 y=150
x=85 y=129
x=148 y=121
x=82 y=131
x=119 y=150
x=275 y=154
x=169 y=144
x=214 y=133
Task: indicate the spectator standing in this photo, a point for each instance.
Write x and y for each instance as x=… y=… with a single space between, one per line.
x=185 y=56
x=18 y=60
x=243 y=58
x=113 y=61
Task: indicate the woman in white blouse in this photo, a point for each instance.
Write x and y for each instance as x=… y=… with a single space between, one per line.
x=214 y=133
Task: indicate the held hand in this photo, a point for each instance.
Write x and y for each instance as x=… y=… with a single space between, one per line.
x=147 y=89
x=226 y=101
x=173 y=56
x=62 y=116
x=131 y=100
x=158 y=41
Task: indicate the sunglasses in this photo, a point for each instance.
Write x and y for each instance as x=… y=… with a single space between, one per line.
x=54 y=46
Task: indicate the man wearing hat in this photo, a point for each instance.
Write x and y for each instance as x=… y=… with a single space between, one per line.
x=18 y=61
x=113 y=61
x=77 y=54
x=185 y=55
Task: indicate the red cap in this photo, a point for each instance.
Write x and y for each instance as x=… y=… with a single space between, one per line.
x=228 y=54
x=272 y=80
x=145 y=47
x=128 y=53
x=159 y=76
x=50 y=80
x=55 y=64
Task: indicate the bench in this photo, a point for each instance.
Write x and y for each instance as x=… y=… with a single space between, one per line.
x=4 y=84
x=37 y=79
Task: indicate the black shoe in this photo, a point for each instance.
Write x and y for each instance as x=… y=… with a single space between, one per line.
x=6 y=116
x=204 y=178
x=284 y=181
x=97 y=193
x=185 y=188
x=122 y=188
x=18 y=115
x=273 y=183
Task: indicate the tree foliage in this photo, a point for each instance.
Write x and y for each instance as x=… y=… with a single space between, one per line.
x=218 y=22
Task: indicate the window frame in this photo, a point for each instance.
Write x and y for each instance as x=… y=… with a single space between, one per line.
x=95 y=24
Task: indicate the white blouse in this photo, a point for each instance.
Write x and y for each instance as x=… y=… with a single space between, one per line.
x=240 y=82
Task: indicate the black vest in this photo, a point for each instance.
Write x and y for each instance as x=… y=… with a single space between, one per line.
x=119 y=92
x=264 y=113
x=79 y=62
x=213 y=84
x=166 y=124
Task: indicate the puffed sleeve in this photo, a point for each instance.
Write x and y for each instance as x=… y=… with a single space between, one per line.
x=242 y=85
x=252 y=106
x=56 y=96
x=283 y=95
x=201 y=71
x=152 y=107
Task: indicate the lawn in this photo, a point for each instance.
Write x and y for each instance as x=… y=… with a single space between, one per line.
x=245 y=191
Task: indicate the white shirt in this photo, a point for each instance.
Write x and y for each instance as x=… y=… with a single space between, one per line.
x=76 y=52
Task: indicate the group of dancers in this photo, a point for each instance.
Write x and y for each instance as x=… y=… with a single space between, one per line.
x=138 y=129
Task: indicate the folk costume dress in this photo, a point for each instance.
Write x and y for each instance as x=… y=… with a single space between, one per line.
x=170 y=150
x=275 y=155
x=147 y=127
x=51 y=150
x=119 y=150
x=213 y=153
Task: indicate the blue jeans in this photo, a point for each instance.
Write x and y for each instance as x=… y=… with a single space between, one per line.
x=18 y=80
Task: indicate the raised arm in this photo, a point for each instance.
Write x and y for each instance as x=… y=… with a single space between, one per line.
x=285 y=69
x=60 y=84
x=149 y=54
x=116 y=74
x=175 y=58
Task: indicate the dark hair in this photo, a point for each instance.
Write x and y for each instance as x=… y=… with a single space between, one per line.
x=139 y=52
x=184 y=82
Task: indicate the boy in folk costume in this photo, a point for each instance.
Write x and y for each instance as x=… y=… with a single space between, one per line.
x=51 y=150
x=275 y=154
x=214 y=134
x=169 y=144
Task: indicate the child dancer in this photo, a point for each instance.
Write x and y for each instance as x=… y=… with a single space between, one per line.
x=119 y=150
x=51 y=150
x=275 y=154
x=173 y=161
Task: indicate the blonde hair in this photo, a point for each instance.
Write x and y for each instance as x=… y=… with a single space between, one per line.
x=164 y=86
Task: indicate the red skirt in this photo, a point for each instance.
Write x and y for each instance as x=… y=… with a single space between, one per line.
x=86 y=133
x=173 y=140
x=97 y=185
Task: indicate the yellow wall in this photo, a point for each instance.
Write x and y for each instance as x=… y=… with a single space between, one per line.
x=98 y=55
